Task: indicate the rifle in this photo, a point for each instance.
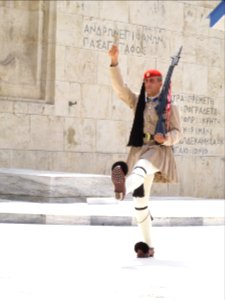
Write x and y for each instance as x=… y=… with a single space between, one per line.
x=161 y=127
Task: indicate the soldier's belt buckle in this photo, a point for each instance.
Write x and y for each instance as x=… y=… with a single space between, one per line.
x=148 y=137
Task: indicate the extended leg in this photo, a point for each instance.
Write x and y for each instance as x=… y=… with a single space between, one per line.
x=144 y=220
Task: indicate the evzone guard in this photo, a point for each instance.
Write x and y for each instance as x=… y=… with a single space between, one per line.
x=156 y=128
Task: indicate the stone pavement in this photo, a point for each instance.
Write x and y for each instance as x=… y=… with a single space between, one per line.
x=167 y=211
x=98 y=262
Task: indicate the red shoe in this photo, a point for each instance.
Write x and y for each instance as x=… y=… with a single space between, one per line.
x=118 y=178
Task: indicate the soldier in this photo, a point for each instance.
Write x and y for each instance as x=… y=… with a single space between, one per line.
x=151 y=156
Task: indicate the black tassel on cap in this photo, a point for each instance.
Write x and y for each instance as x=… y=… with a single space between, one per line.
x=136 y=135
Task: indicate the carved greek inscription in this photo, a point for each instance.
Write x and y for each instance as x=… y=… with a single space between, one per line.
x=202 y=126
x=134 y=40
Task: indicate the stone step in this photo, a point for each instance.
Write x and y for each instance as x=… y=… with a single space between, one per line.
x=107 y=211
x=35 y=185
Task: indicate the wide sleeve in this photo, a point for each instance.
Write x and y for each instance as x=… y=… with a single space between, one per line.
x=175 y=133
x=121 y=89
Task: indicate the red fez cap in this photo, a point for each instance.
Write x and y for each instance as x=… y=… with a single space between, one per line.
x=152 y=73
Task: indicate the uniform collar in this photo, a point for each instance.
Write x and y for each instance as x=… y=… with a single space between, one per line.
x=151 y=99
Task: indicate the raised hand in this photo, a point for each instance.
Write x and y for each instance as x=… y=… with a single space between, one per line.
x=114 y=54
x=159 y=138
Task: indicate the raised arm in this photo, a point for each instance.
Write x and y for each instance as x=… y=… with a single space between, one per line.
x=120 y=88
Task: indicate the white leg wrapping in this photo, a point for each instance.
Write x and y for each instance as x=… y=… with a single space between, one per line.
x=143 y=216
x=133 y=181
x=142 y=168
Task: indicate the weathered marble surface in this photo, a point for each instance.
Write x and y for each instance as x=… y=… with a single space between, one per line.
x=27 y=29
x=53 y=184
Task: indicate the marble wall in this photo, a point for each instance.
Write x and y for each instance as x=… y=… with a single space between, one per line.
x=57 y=108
